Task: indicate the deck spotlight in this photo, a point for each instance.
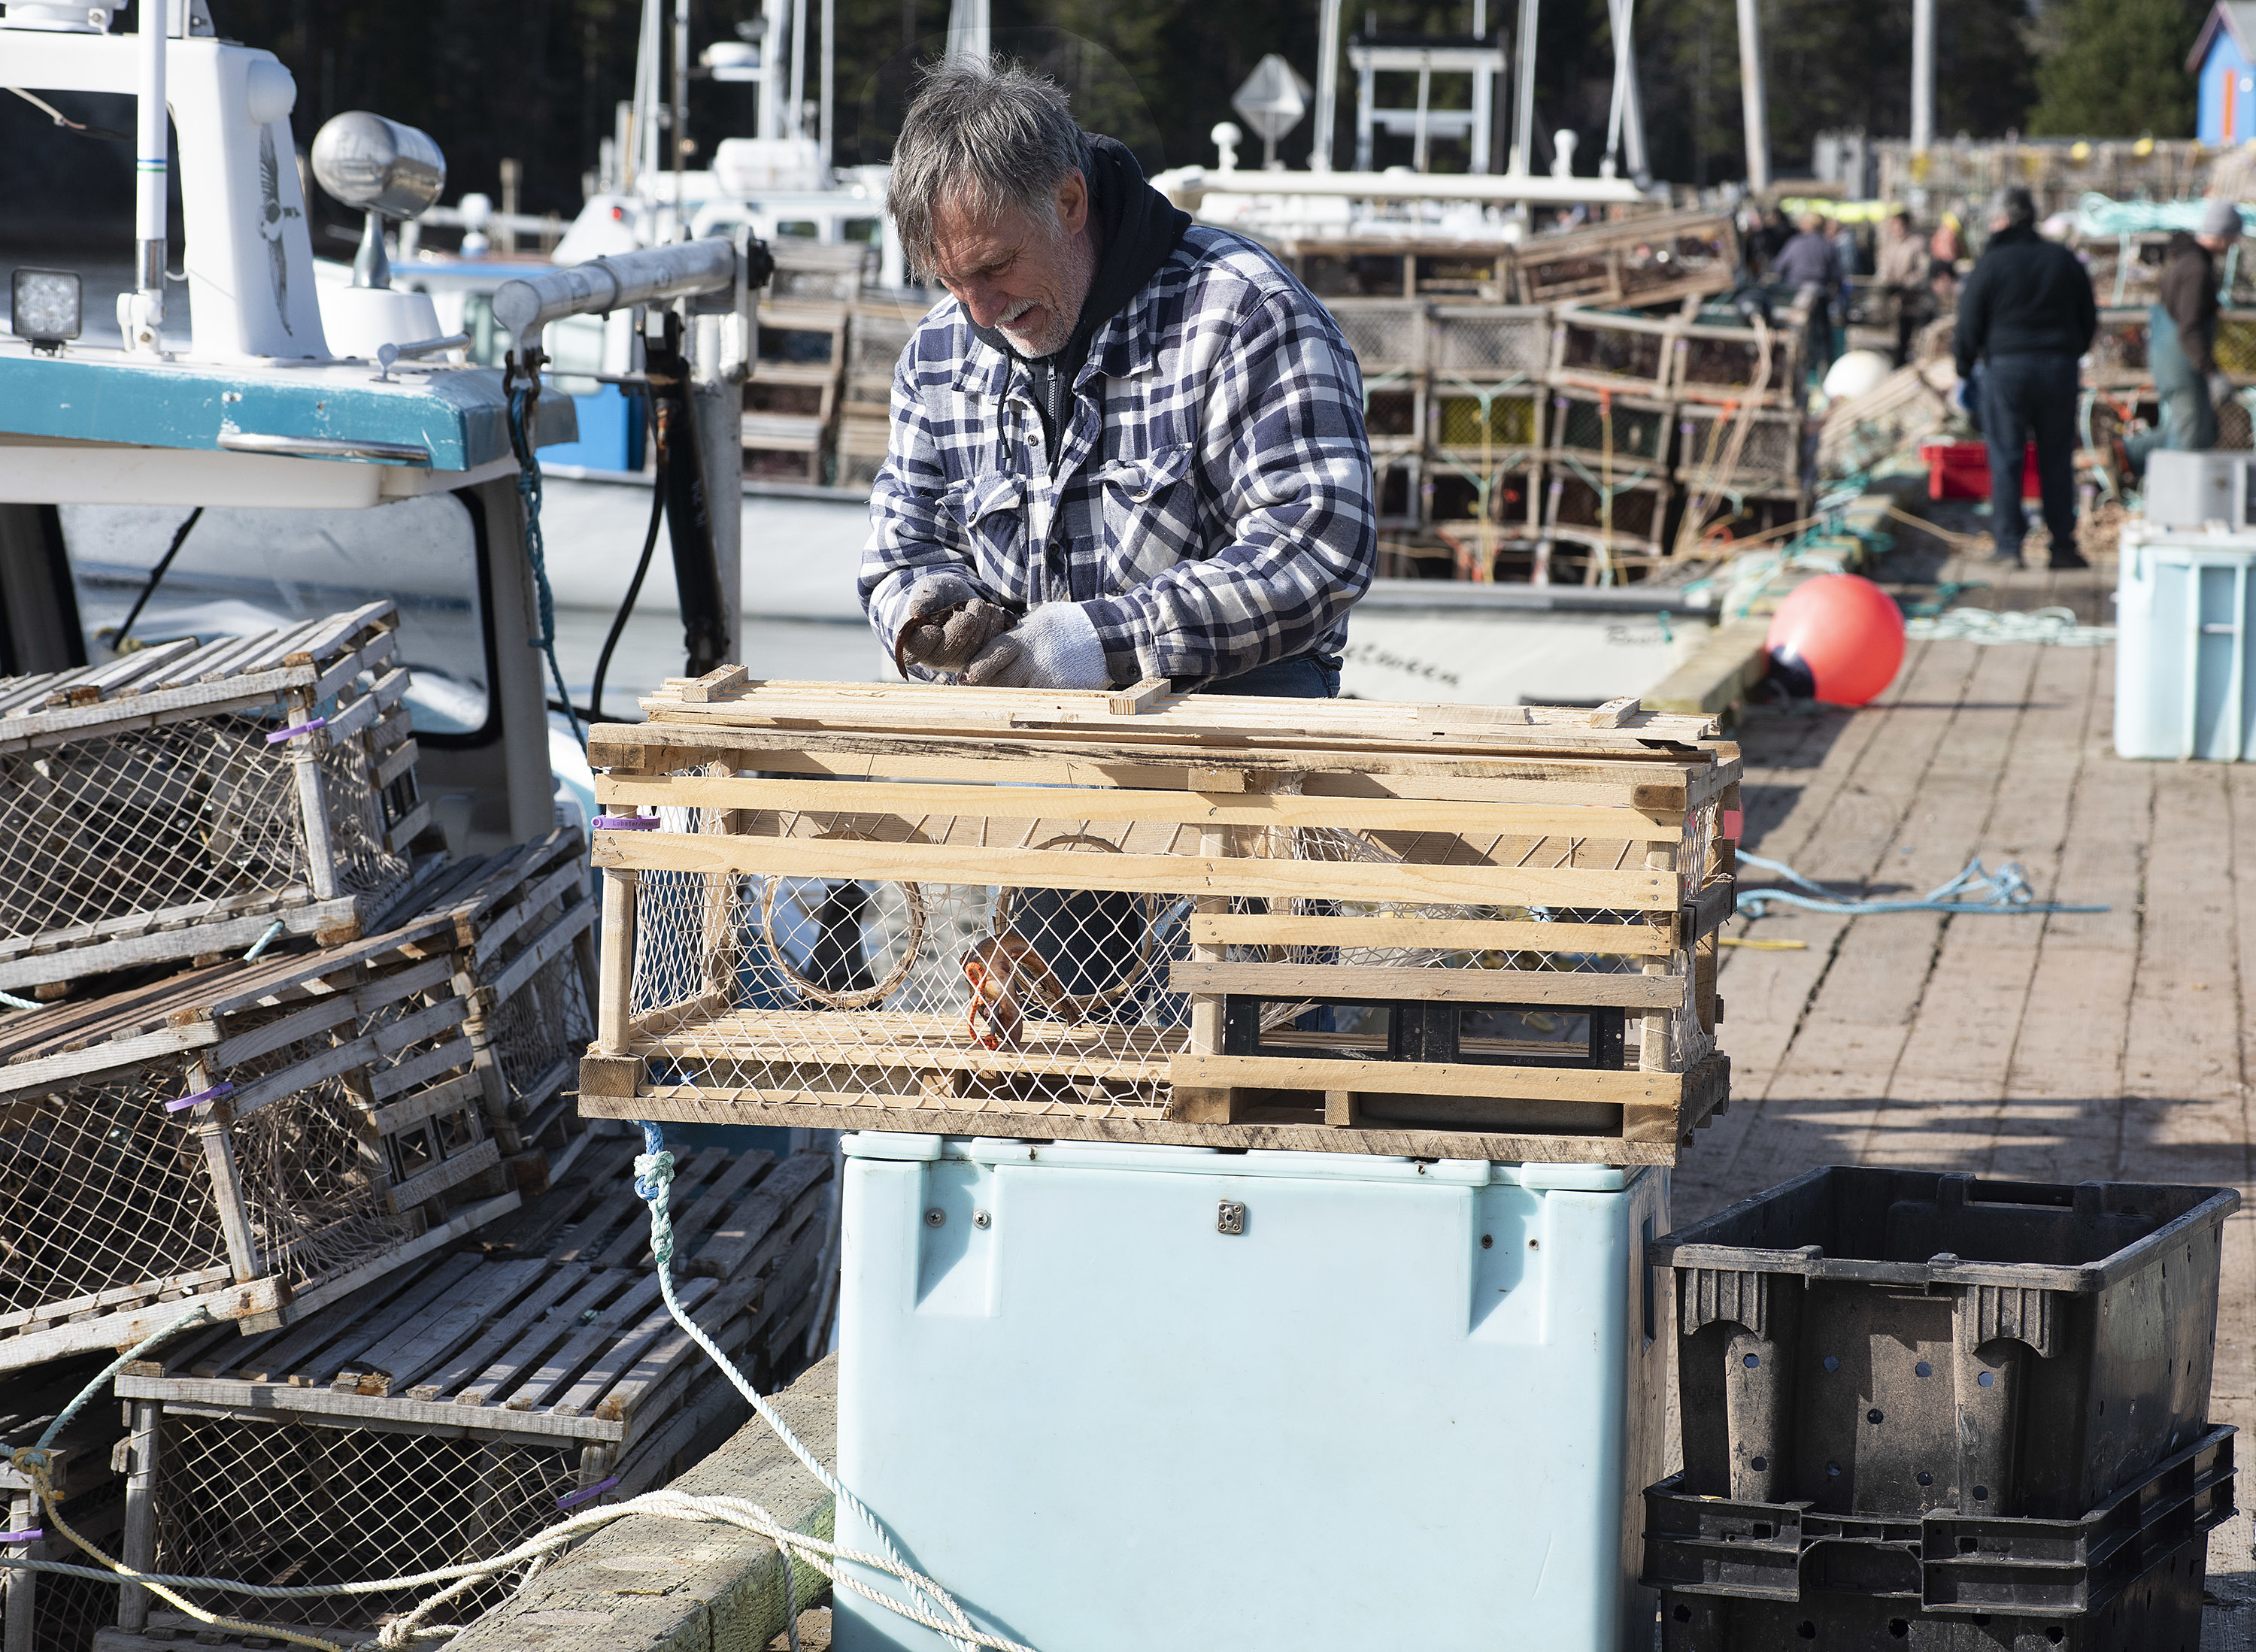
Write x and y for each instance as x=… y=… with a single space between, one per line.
x=46 y=308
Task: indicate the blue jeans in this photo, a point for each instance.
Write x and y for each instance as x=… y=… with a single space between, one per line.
x=1302 y=677
x=2025 y=396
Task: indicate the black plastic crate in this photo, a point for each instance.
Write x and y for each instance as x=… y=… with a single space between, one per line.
x=2160 y=1613
x=1895 y=1342
x=1940 y=1562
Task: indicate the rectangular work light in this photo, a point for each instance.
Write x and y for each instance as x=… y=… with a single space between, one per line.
x=45 y=306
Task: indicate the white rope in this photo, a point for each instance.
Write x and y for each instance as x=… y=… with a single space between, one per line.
x=2056 y=625
x=653 y=1177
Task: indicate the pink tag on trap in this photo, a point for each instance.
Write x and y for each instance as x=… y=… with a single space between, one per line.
x=1733 y=820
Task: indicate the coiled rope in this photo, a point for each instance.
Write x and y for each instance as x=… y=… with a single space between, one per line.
x=653 y=1171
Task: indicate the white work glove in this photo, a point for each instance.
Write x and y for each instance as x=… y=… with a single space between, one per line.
x=2220 y=389
x=1056 y=647
x=948 y=623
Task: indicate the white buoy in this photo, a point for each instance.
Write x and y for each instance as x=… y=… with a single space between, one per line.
x=1856 y=373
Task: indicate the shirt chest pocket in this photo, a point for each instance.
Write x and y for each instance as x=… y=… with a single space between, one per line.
x=1151 y=514
x=990 y=513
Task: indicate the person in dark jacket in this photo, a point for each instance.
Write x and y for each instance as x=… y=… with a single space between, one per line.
x=1811 y=265
x=2027 y=313
x=2181 y=335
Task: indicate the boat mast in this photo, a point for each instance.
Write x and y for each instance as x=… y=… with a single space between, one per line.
x=1751 y=94
x=1922 y=75
x=144 y=312
x=1320 y=157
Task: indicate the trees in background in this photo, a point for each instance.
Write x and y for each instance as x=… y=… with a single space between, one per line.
x=2116 y=69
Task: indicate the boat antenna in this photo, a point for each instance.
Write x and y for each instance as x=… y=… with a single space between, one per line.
x=156 y=573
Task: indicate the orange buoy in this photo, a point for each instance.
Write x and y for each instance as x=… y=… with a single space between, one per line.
x=1837 y=639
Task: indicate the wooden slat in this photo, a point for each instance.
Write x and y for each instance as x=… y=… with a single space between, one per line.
x=509 y=1366
x=738 y=1238
x=1585 y=1085
x=469 y=1162
x=714 y=684
x=400 y=1361
x=1159 y=874
x=1283 y=1131
x=462 y=1368
x=554 y=1373
x=1472 y=934
x=537 y=957
x=1433 y=985
x=1190 y=808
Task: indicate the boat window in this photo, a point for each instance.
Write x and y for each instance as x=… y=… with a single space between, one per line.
x=575 y=347
x=241 y=571
x=807 y=227
x=870 y=232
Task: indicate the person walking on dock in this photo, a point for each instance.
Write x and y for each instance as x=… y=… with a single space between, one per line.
x=1904 y=265
x=2027 y=314
x=1811 y=265
x=2182 y=336
x=1128 y=446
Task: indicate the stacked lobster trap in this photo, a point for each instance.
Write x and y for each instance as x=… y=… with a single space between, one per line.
x=1458 y=931
x=186 y=797
x=252 y=1139
x=473 y=1400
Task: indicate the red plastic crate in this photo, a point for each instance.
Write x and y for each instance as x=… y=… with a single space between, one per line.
x=1960 y=471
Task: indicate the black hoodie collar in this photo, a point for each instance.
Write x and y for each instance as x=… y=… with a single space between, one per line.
x=1137 y=229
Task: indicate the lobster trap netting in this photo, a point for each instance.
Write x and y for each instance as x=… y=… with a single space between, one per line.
x=1633 y=434
x=1725 y=441
x=202 y=814
x=1491 y=345
x=306 y=1504
x=100 y=1191
x=1386 y=334
x=149 y=820
x=545 y=1022
x=1612 y=346
x=1051 y=999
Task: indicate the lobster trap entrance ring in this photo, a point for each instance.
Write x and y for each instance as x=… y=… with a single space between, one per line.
x=861 y=999
x=1073 y=1008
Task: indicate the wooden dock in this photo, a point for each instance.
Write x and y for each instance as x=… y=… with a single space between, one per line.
x=2115 y=1045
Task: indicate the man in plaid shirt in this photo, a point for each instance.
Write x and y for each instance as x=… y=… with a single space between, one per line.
x=1131 y=448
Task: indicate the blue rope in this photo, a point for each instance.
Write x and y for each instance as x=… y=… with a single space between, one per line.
x=1974 y=891
x=528 y=489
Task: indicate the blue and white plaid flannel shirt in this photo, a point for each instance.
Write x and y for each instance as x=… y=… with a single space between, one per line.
x=1215 y=516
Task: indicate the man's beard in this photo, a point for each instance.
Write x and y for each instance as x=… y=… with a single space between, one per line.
x=1064 y=315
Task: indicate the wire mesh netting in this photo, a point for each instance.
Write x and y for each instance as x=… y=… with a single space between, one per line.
x=69 y=1611
x=1387 y=335
x=297 y=1503
x=1716 y=361
x=1614 y=347
x=202 y=814
x=1674 y=260
x=1490 y=345
x=1638 y=434
x=547 y=1021
x=1580 y=505
x=2235 y=350
x=1768 y=443
x=146 y=821
x=1045 y=1000
x=100 y=1189
x=1508 y=419
x=1562 y=276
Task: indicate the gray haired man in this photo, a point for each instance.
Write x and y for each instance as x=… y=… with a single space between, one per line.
x=1126 y=446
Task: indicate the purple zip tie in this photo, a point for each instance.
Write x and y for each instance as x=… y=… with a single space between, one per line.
x=280 y=735
x=35 y=1536
x=596 y=1490
x=627 y=823
x=213 y=1094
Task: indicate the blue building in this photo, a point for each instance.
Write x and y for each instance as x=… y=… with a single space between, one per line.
x=2222 y=59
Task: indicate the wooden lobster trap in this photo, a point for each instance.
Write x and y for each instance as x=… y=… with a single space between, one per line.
x=1657 y=259
x=259 y=1138
x=1738 y=364
x=1748 y=446
x=523 y=934
x=186 y=797
x=1455 y=930
x=1599 y=349
x=471 y=1401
